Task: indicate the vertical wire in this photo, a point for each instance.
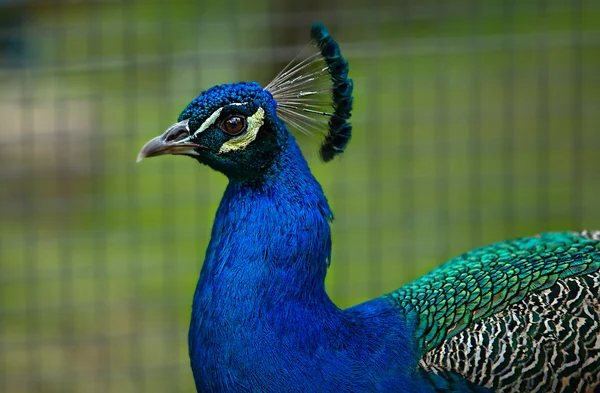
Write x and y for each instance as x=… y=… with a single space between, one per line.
x=577 y=112
x=129 y=36
x=341 y=187
x=98 y=168
x=62 y=147
x=441 y=154
x=29 y=230
x=475 y=129
x=234 y=31
x=375 y=170
x=5 y=343
x=543 y=182
x=201 y=195
x=170 y=266
x=507 y=148
x=407 y=182
x=166 y=180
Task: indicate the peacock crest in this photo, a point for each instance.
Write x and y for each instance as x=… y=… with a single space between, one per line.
x=314 y=94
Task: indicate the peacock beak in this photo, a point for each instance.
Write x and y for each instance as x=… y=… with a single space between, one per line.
x=173 y=141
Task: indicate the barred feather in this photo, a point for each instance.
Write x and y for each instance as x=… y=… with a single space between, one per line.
x=517 y=316
x=549 y=341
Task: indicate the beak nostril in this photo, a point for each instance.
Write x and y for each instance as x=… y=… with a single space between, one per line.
x=177 y=135
x=175 y=140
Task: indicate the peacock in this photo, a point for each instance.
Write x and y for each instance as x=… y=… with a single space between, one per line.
x=516 y=316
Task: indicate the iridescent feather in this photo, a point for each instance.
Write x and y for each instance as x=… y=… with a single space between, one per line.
x=517 y=316
x=314 y=94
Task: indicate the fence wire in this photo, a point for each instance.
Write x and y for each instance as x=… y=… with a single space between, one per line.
x=475 y=121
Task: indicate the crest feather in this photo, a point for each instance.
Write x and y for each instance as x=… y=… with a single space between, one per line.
x=314 y=94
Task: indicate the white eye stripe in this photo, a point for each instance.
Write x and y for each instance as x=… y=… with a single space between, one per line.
x=239 y=143
x=209 y=122
x=213 y=117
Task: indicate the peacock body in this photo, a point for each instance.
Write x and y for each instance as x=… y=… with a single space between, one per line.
x=515 y=316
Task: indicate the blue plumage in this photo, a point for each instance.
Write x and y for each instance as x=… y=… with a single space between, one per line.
x=262 y=321
x=261 y=318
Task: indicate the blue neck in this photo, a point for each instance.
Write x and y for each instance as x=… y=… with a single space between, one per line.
x=268 y=254
x=261 y=316
x=273 y=236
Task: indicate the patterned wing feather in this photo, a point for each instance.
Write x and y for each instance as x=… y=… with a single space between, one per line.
x=548 y=342
x=517 y=316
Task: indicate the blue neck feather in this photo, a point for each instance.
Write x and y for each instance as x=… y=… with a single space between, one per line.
x=261 y=316
x=274 y=234
x=265 y=264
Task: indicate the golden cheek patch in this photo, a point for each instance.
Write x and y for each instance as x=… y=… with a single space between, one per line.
x=239 y=143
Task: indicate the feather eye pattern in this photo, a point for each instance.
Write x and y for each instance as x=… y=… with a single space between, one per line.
x=314 y=94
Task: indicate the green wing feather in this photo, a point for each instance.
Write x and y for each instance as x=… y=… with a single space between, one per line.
x=485 y=281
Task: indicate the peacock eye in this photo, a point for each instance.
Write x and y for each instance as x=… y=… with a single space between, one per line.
x=234 y=125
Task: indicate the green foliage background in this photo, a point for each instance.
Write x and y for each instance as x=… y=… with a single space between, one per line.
x=474 y=122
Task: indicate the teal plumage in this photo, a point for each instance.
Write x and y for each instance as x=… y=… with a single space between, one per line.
x=533 y=302
x=485 y=281
x=516 y=316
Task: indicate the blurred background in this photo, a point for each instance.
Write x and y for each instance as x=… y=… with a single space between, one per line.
x=475 y=121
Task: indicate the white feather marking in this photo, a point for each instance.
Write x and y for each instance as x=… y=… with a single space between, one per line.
x=239 y=143
x=210 y=120
x=303 y=94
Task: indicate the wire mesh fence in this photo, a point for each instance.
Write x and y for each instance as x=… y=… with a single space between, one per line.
x=474 y=122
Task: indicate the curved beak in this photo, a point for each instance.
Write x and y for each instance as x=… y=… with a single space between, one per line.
x=176 y=140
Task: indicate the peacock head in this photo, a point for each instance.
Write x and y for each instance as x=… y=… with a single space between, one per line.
x=240 y=129
x=232 y=128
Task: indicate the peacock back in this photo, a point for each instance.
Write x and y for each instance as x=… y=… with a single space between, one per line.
x=516 y=316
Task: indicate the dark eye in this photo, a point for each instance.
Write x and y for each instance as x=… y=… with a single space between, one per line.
x=234 y=125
